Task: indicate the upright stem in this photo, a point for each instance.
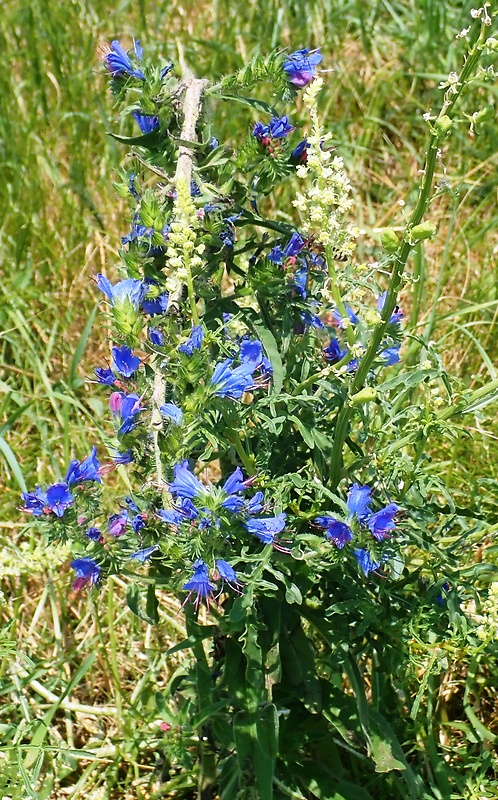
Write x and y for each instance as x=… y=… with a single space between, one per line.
x=194 y=88
x=207 y=764
x=400 y=260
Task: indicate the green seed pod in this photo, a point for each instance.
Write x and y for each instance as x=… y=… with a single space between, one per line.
x=423 y=231
x=365 y=395
x=442 y=125
x=389 y=240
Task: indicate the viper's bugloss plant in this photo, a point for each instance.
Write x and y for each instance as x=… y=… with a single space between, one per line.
x=274 y=429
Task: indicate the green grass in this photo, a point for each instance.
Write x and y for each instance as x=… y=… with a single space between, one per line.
x=60 y=223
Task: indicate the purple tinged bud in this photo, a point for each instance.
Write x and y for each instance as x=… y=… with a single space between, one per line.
x=117 y=523
x=87 y=572
x=300 y=66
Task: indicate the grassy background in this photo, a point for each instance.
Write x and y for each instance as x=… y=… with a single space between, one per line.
x=61 y=222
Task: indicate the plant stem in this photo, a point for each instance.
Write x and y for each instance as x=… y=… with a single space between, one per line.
x=336 y=294
x=207 y=765
x=191 y=109
x=400 y=260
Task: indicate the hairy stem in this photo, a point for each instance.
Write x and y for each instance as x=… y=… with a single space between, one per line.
x=191 y=110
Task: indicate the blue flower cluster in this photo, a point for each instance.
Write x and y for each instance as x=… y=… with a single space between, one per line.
x=58 y=498
x=204 y=508
x=232 y=382
x=379 y=523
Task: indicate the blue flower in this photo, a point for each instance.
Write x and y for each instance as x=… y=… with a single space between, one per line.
x=172 y=412
x=382 y=522
x=235 y=482
x=87 y=572
x=94 y=534
x=251 y=352
x=390 y=355
x=300 y=66
x=123 y=458
x=280 y=127
x=366 y=561
x=146 y=122
x=131 y=504
x=105 y=376
x=129 y=290
x=137 y=230
x=59 y=498
x=358 y=504
x=227 y=574
x=118 y=61
x=300 y=280
x=232 y=383
x=124 y=361
x=87 y=470
x=260 y=131
x=292 y=249
x=34 y=501
x=233 y=485
x=193 y=342
x=358 y=501
x=185 y=484
x=266 y=529
x=333 y=352
x=184 y=510
x=126 y=407
x=156 y=336
x=300 y=153
x=255 y=504
x=156 y=305
x=338 y=532
x=312 y=319
x=137 y=523
x=143 y=555
x=199 y=583
x=339 y=320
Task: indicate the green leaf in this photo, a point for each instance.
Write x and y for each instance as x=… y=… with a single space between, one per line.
x=134 y=602
x=259 y=105
x=74 y=380
x=146 y=140
x=271 y=349
x=13 y=463
x=208 y=631
x=293 y=594
x=303 y=430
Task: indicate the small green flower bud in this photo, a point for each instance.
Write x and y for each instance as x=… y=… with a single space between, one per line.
x=365 y=395
x=423 y=231
x=442 y=125
x=128 y=320
x=389 y=240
